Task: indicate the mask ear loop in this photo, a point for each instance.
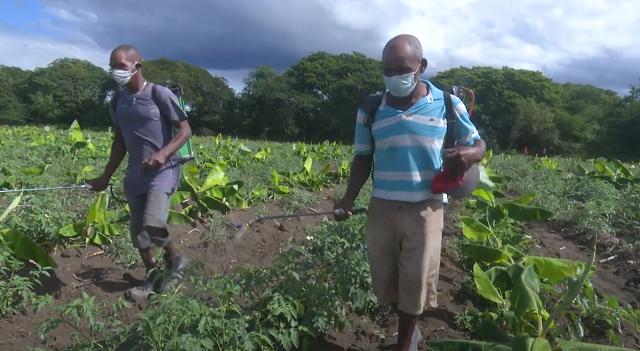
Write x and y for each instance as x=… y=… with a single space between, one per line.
x=134 y=67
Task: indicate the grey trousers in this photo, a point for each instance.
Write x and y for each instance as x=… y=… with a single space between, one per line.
x=148 y=210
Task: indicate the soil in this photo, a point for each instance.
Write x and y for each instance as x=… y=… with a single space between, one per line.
x=79 y=272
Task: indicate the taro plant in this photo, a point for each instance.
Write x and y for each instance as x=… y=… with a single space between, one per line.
x=307 y=177
x=100 y=224
x=199 y=197
x=516 y=290
x=20 y=245
x=498 y=216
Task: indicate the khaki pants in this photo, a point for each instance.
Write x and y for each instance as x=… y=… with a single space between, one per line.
x=404 y=241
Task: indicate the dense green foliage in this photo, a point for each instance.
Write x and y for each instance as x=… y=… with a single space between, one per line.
x=319 y=281
x=315 y=100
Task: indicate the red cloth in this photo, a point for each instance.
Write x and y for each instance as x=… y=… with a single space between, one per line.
x=446 y=180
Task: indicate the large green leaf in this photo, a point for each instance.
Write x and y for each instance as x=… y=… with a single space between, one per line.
x=222 y=192
x=527 y=343
x=474 y=230
x=214 y=204
x=524 y=296
x=120 y=216
x=176 y=217
x=72 y=230
x=485 y=286
x=214 y=178
x=566 y=345
x=483 y=194
x=524 y=199
x=499 y=276
x=525 y=213
x=178 y=197
x=484 y=182
x=190 y=179
x=23 y=247
x=12 y=206
x=466 y=345
x=485 y=254
x=308 y=163
x=556 y=270
x=108 y=229
x=98 y=210
x=491 y=332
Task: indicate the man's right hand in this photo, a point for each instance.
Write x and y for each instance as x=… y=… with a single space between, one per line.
x=99 y=184
x=347 y=206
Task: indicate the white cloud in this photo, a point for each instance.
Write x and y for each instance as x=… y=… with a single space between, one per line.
x=590 y=41
x=29 y=52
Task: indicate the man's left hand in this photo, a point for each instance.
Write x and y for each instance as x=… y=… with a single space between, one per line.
x=460 y=159
x=156 y=161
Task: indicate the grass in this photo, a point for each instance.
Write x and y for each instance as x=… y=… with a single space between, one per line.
x=307 y=291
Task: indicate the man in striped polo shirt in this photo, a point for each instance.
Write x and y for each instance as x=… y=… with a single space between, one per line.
x=405 y=218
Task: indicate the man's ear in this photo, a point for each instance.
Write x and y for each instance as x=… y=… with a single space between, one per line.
x=423 y=64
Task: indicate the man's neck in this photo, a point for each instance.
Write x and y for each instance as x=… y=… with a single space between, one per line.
x=136 y=85
x=404 y=103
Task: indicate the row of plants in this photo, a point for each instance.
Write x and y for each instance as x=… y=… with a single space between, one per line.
x=205 y=188
x=312 y=288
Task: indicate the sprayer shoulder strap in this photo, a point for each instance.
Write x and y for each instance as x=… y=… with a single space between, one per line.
x=452 y=119
x=370 y=105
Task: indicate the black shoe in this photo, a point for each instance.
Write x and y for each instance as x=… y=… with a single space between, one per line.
x=150 y=285
x=180 y=262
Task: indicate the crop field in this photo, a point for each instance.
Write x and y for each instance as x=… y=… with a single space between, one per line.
x=549 y=252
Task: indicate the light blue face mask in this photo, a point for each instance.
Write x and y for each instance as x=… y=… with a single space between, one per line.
x=401 y=85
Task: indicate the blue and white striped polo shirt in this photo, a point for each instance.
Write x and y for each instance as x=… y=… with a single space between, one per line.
x=408 y=145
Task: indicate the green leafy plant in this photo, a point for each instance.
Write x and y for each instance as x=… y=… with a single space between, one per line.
x=21 y=245
x=523 y=301
x=199 y=197
x=100 y=224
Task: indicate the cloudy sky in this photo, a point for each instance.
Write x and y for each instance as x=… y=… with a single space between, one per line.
x=586 y=41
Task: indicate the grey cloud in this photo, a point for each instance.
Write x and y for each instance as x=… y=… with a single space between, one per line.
x=609 y=70
x=239 y=35
x=221 y=35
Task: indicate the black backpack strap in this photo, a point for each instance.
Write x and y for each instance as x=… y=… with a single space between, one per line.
x=154 y=94
x=452 y=119
x=370 y=105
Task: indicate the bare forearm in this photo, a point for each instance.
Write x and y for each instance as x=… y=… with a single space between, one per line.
x=118 y=151
x=476 y=151
x=181 y=137
x=360 y=172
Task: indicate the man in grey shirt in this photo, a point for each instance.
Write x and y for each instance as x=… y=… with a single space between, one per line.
x=143 y=116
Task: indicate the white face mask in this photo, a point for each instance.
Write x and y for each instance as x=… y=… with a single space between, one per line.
x=401 y=85
x=122 y=77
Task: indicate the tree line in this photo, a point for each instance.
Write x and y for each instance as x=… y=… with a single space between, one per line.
x=316 y=99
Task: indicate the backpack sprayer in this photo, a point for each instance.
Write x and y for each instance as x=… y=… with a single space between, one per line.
x=454 y=185
x=185 y=154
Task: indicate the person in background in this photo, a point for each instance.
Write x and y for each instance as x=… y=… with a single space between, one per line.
x=143 y=117
x=405 y=219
